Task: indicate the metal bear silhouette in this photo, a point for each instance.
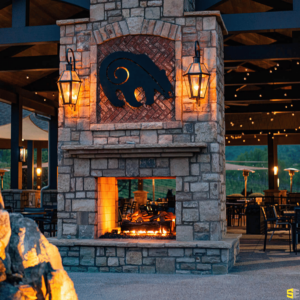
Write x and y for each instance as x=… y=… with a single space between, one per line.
x=126 y=71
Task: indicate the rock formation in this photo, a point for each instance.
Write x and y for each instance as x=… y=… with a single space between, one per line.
x=30 y=267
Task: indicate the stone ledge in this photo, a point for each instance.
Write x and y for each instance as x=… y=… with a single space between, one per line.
x=135 y=150
x=134 y=126
x=133 y=146
x=72 y=21
x=209 y=13
x=226 y=243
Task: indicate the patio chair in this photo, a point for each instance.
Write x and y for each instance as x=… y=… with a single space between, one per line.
x=296 y=228
x=49 y=222
x=278 y=220
x=270 y=219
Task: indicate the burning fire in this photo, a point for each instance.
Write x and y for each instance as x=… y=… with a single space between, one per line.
x=161 y=232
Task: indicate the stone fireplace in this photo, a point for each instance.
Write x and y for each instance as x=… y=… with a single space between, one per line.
x=173 y=137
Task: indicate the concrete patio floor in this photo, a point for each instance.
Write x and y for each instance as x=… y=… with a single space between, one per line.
x=257 y=275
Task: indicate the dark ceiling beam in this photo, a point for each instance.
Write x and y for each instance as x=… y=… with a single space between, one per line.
x=262 y=78
x=14 y=50
x=266 y=52
x=30 y=63
x=257 y=131
x=44 y=84
x=29 y=35
x=207 y=4
x=5 y=3
x=80 y=3
x=273 y=106
x=20 y=13
x=261 y=21
x=277 y=5
x=262 y=94
x=280 y=38
x=31 y=101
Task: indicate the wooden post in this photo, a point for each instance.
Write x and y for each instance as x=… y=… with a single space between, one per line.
x=52 y=153
x=30 y=165
x=16 y=142
x=39 y=164
x=272 y=162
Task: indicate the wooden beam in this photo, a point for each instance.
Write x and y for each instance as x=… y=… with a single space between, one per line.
x=30 y=63
x=44 y=84
x=272 y=107
x=20 y=13
x=14 y=50
x=5 y=3
x=207 y=4
x=261 y=21
x=262 y=78
x=266 y=52
x=80 y=3
x=29 y=35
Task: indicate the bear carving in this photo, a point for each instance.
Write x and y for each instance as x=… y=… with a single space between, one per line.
x=125 y=71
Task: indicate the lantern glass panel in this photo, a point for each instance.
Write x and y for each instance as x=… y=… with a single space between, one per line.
x=65 y=91
x=195 y=84
x=75 y=92
x=204 y=84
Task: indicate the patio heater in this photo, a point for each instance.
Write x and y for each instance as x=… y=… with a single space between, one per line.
x=196 y=77
x=246 y=173
x=2 y=172
x=292 y=172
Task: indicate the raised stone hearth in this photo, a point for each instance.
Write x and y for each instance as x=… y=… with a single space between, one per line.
x=141 y=256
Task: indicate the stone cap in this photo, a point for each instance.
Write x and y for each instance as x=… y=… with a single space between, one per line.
x=226 y=243
x=134 y=146
x=209 y=13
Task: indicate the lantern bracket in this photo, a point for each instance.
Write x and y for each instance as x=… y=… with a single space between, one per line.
x=69 y=60
x=197 y=52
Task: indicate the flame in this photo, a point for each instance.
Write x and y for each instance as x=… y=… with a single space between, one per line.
x=163 y=232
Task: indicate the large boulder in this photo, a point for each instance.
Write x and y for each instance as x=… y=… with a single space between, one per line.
x=30 y=267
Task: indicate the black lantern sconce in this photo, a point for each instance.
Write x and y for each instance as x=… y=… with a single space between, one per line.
x=196 y=77
x=69 y=82
x=23 y=154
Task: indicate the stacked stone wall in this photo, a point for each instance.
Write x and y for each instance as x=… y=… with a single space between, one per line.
x=200 y=177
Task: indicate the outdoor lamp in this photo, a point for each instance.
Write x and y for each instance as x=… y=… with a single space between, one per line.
x=275 y=170
x=69 y=82
x=38 y=172
x=196 y=77
x=23 y=153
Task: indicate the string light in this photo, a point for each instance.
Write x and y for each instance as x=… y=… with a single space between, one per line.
x=292 y=105
x=252 y=122
x=286 y=135
x=277 y=65
x=258 y=140
x=228 y=142
x=255 y=136
x=284 y=130
x=243 y=132
x=293 y=115
x=275 y=68
x=45 y=100
x=235 y=95
x=268 y=113
x=260 y=132
x=284 y=95
x=272 y=137
x=244 y=141
x=297 y=62
x=272 y=120
x=260 y=95
x=248 y=74
x=245 y=78
x=27 y=76
x=285 y=106
x=270 y=71
x=241 y=125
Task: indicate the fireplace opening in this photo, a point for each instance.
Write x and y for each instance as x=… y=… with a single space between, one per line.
x=141 y=208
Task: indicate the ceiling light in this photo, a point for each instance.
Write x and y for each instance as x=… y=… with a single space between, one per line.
x=241 y=125
x=272 y=120
x=270 y=71
x=258 y=140
x=245 y=78
x=252 y=122
x=27 y=76
x=284 y=95
x=293 y=115
x=277 y=65
x=275 y=68
x=292 y=105
x=243 y=141
x=250 y=119
x=235 y=95
x=260 y=95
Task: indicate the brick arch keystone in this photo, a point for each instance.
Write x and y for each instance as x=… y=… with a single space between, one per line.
x=138 y=26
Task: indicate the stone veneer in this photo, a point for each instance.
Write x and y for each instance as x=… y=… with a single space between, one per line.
x=136 y=256
x=188 y=146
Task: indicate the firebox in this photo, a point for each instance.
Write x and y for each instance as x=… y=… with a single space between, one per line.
x=136 y=208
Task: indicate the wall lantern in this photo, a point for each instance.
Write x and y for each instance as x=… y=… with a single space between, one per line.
x=196 y=77
x=275 y=170
x=69 y=82
x=23 y=154
x=38 y=172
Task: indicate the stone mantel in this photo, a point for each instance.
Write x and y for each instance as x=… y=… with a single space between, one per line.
x=135 y=150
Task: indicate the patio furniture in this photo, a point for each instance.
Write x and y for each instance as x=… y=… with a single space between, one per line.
x=296 y=228
x=255 y=219
x=270 y=219
x=278 y=220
